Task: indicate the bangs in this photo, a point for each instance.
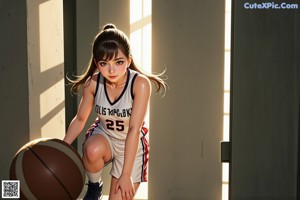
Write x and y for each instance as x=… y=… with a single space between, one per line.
x=107 y=51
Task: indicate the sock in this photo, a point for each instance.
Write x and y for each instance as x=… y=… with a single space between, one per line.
x=94 y=177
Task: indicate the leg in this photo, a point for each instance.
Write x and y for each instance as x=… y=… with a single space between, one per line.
x=96 y=153
x=118 y=196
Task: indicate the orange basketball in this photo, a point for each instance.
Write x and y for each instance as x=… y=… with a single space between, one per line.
x=48 y=169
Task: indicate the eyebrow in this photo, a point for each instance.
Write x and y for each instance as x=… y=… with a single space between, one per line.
x=120 y=58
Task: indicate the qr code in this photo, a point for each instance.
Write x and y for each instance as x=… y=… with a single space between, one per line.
x=10 y=189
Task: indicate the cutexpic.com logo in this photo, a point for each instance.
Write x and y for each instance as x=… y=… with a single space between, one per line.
x=271 y=5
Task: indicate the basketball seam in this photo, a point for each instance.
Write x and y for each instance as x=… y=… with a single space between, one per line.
x=68 y=151
x=25 y=190
x=59 y=181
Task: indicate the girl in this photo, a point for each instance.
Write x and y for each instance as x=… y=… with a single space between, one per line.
x=119 y=92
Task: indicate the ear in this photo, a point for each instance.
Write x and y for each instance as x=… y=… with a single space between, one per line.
x=94 y=60
x=129 y=60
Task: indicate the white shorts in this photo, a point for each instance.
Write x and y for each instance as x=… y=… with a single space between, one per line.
x=140 y=167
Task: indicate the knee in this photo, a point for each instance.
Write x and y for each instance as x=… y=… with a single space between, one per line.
x=91 y=153
x=96 y=149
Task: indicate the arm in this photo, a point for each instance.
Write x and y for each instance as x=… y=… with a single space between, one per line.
x=84 y=110
x=141 y=92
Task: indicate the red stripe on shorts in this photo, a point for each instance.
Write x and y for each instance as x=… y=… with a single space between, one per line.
x=145 y=145
x=91 y=129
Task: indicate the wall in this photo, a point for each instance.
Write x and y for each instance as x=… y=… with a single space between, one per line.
x=32 y=102
x=116 y=12
x=265 y=103
x=186 y=125
x=14 y=121
x=45 y=68
x=188 y=40
x=87 y=26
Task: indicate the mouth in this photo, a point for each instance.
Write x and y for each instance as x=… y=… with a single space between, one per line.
x=112 y=77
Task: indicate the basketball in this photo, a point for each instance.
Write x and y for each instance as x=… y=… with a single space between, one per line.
x=48 y=169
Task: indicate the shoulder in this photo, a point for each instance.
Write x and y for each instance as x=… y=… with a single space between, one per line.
x=91 y=83
x=142 y=79
x=141 y=84
x=139 y=77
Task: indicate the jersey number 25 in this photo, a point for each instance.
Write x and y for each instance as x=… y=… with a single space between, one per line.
x=117 y=125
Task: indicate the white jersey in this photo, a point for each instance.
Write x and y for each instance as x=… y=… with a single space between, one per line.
x=113 y=123
x=113 y=117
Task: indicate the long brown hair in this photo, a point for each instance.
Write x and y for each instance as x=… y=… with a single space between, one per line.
x=106 y=45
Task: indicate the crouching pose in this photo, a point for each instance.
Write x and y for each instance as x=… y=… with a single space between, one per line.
x=119 y=92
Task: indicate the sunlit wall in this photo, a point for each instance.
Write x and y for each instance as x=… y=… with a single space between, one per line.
x=225 y=166
x=141 y=46
x=46 y=68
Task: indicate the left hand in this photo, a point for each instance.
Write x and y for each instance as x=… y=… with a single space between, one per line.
x=125 y=185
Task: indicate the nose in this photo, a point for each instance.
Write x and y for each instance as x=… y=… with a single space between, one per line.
x=112 y=69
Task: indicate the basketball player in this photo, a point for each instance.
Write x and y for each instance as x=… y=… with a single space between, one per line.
x=119 y=92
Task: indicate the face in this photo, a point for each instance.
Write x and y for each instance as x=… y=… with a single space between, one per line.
x=115 y=69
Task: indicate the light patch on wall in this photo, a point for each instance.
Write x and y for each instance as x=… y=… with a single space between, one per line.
x=136 y=47
x=227 y=70
x=226 y=127
x=147 y=8
x=141 y=47
x=50 y=33
x=226 y=112
x=51 y=128
x=45 y=68
x=51 y=98
x=147 y=47
x=135 y=10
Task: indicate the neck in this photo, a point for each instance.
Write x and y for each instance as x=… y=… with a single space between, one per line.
x=119 y=83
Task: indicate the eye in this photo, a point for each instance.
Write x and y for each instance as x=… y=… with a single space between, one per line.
x=102 y=63
x=120 y=62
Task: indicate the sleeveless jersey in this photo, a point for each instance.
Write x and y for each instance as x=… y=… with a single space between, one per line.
x=113 y=117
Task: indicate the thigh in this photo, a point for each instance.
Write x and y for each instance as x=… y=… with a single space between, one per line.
x=98 y=144
x=140 y=166
x=118 y=195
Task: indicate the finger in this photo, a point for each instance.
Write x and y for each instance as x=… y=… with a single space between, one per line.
x=131 y=195
x=123 y=195
x=117 y=188
x=128 y=196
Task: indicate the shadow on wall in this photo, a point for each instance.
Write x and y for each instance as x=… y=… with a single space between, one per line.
x=46 y=69
x=42 y=100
